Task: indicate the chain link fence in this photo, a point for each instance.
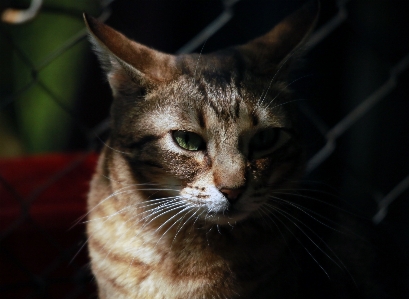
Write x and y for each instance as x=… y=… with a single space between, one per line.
x=353 y=92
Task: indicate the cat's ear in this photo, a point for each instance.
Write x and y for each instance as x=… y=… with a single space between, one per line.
x=130 y=66
x=281 y=44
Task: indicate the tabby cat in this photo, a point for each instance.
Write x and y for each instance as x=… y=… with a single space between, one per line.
x=188 y=197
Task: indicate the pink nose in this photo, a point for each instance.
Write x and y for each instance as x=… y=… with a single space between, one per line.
x=232 y=195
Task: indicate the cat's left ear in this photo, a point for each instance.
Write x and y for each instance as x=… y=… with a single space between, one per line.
x=130 y=66
x=280 y=45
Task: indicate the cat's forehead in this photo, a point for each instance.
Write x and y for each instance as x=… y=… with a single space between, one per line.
x=197 y=102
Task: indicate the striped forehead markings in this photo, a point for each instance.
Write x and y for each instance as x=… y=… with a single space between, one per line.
x=202 y=121
x=237 y=108
x=254 y=119
x=232 y=114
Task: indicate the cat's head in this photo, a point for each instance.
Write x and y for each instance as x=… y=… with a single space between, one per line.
x=216 y=130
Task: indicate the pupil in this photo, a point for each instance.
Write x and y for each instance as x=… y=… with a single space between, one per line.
x=188 y=140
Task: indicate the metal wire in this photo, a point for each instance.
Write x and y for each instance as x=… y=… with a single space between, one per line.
x=331 y=134
x=351 y=118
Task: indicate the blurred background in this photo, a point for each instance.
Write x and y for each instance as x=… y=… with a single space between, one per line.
x=54 y=104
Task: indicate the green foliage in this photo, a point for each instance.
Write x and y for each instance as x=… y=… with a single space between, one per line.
x=49 y=82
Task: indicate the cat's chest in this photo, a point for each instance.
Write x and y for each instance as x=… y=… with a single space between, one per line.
x=196 y=264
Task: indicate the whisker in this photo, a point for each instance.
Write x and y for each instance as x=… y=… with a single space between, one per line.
x=180 y=219
x=266 y=213
x=99 y=203
x=118 y=192
x=105 y=219
x=140 y=205
x=218 y=229
x=264 y=94
x=197 y=217
x=164 y=209
x=173 y=207
x=115 y=150
x=296 y=238
x=85 y=243
x=338 y=263
x=180 y=228
x=304 y=210
x=317 y=200
x=167 y=204
x=169 y=219
x=288 y=102
x=289 y=84
x=198 y=59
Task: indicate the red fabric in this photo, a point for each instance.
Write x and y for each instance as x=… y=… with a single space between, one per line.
x=41 y=246
x=51 y=189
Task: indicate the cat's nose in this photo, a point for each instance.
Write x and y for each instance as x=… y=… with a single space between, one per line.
x=232 y=195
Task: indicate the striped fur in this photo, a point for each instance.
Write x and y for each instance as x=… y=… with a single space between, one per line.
x=166 y=222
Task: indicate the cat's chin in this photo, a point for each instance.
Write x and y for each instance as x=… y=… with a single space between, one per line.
x=230 y=220
x=229 y=217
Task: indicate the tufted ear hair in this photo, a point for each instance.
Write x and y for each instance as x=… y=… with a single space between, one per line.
x=279 y=46
x=129 y=65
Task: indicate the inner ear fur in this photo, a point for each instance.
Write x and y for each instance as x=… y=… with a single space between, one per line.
x=126 y=61
x=281 y=45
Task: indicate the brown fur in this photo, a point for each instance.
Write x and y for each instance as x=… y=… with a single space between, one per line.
x=210 y=237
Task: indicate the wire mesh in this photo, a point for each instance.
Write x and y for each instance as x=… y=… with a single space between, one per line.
x=334 y=128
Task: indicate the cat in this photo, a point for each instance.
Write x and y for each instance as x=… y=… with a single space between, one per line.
x=188 y=197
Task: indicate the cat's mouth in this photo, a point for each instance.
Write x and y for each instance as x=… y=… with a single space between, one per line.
x=217 y=212
x=211 y=205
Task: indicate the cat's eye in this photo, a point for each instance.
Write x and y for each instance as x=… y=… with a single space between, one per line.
x=265 y=139
x=189 y=140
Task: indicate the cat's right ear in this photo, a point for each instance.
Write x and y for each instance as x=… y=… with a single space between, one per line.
x=280 y=46
x=130 y=67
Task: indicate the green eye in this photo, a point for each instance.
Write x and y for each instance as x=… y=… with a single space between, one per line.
x=264 y=139
x=189 y=140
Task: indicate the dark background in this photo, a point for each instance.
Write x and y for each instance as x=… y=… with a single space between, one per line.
x=348 y=65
